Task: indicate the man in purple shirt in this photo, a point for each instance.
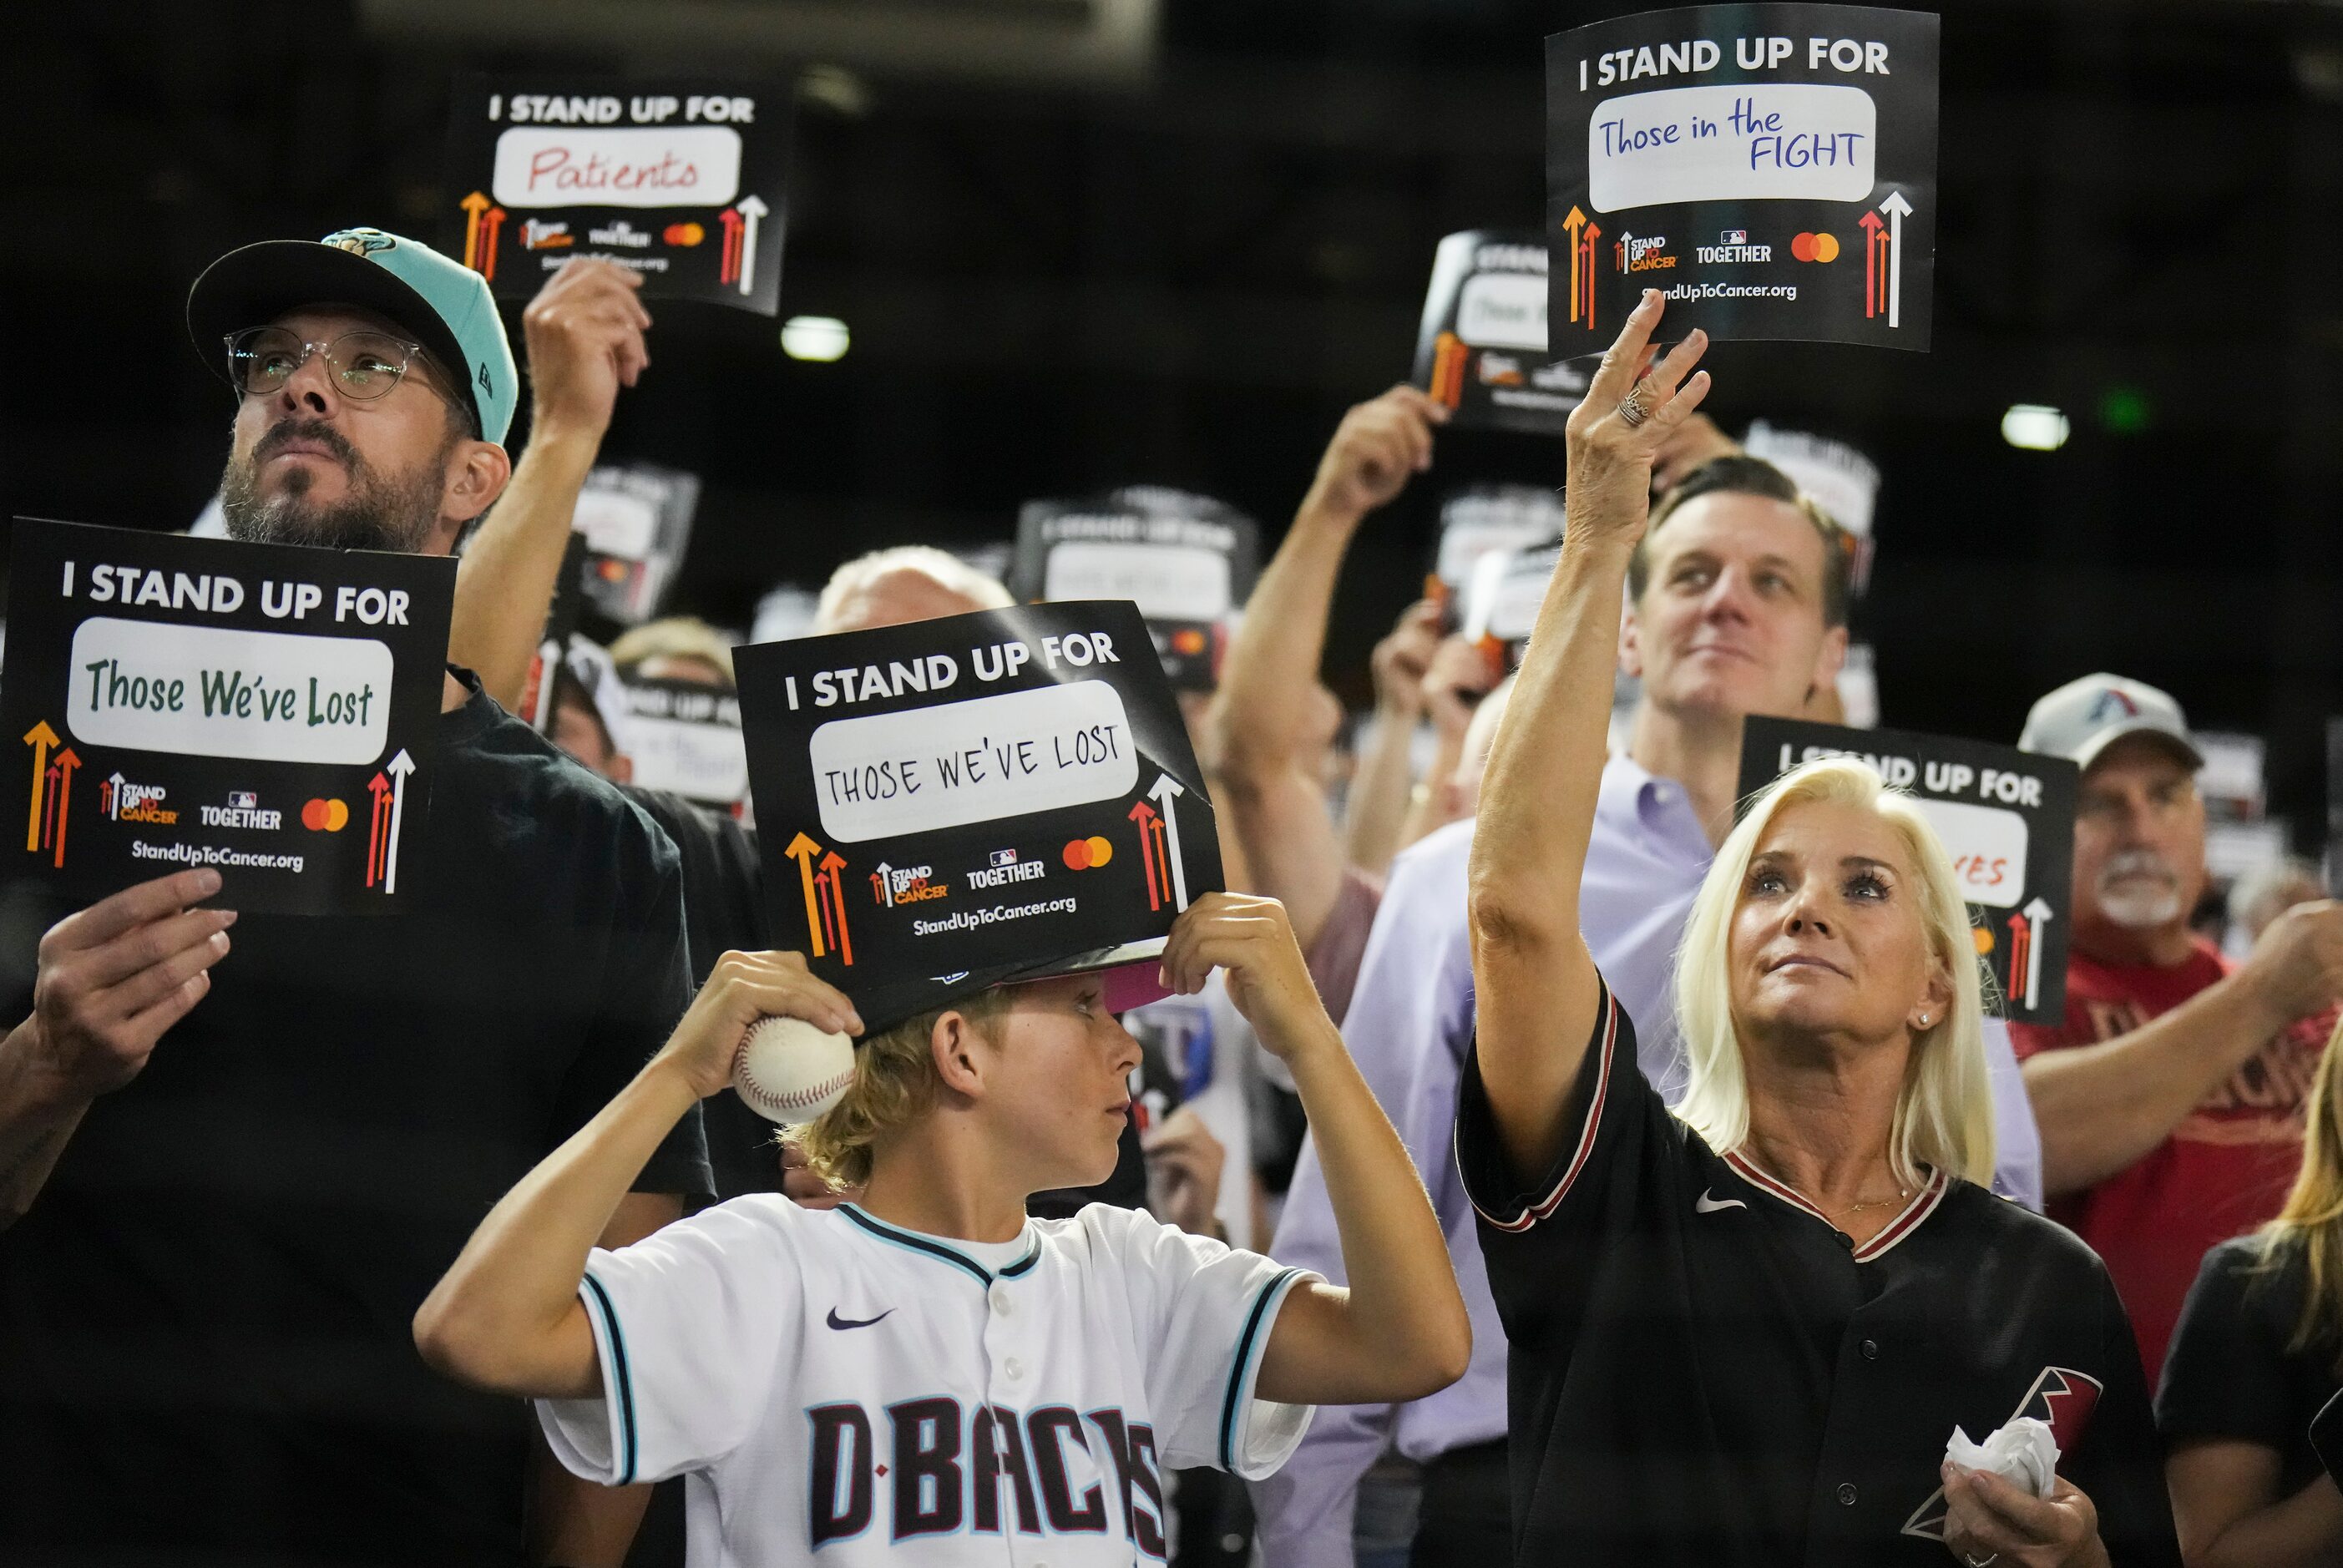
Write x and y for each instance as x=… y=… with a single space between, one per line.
x=1739 y=599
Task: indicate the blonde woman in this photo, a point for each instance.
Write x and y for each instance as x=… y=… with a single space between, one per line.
x=928 y=1376
x=1743 y=1333
x=2258 y=1353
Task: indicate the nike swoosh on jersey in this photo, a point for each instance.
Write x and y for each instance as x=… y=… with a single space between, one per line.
x=838 y=1322
x=1708 y=1203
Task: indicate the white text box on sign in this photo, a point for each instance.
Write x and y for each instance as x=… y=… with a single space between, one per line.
x=975 y=761
x=209 y=691
x=1167 y=582
x=684 y=166
x=1987 y=845
x=1503 y=310
x=1767 y=144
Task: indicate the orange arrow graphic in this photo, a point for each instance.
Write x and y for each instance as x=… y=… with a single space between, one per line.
x=66 y=763
x=492 y=223
x=1144 y=815
x=1573 y=223
x=803 y=849
x=1870 y=222
x=831 y=865
x=474 y=206
x=40 y=738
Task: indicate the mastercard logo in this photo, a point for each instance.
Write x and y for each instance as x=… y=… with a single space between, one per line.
x=1814 y=247
x=324 y=816
x=1086 y=854
x=684 y=234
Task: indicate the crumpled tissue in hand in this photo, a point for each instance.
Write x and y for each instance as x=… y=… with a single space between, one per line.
x=2023 y=1453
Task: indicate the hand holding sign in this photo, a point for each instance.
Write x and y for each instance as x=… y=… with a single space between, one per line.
x=115 y=977
x=1615 y=434
x=1402 y=659
x=1268 y=980
x=585 y=331
x=1376 y=449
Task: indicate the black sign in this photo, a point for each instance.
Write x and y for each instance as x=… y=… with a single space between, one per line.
x=1186 y=561
x=1770 y=169
x=1482 y=347
x=2006 y=818
x=266 y=710
x=952 y=803
x=637 y=519
x=681 y=180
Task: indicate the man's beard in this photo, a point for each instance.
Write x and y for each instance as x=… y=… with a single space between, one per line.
x=378 y=513
x=2129 y=893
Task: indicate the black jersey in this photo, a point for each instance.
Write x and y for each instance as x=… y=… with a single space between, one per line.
x=1704 y=1370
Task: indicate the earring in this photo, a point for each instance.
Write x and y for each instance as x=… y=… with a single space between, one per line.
x=1925 y=1020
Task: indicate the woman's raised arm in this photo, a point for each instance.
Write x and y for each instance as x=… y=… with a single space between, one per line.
x=1534 y=981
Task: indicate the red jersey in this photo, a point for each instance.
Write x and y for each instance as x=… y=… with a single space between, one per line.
x=2223 y=1171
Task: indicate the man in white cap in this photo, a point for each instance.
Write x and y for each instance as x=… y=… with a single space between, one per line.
x=2170 y=1098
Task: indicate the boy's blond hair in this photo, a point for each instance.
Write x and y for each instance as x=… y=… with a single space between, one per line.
x=895 y=1083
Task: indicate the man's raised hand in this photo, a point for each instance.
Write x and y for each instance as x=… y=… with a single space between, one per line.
x=112 y=978
x=1378 y=446
x=585 y=339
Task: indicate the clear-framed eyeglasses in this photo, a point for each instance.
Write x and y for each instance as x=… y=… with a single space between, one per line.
x=366 y=364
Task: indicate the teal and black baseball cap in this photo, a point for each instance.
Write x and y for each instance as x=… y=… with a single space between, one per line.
x=445 y=305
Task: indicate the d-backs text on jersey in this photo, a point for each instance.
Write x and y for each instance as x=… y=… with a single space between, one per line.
x=945 y=1464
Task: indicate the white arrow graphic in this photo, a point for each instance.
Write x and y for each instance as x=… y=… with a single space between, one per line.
x=886 y=875
x=750 y=207
x=1897 y=209
x=401 y=767
x=1165 y=791
x=2039 y=913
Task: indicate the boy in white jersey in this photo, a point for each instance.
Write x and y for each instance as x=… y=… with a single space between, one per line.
x=928 y=1376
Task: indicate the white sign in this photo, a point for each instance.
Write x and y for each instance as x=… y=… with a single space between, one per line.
x=1987 y=845
x=1168 y=582
x=615 y=523
x=702 y=761
x=975 y=761
x=1746 y=142
x=1477 y=523
x=208 y=691
x=648 y=166
x=1505 y=593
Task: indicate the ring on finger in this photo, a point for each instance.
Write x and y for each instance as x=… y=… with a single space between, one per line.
x=1636 y=405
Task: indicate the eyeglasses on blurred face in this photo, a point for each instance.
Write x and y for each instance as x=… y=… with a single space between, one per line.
x=364 y=365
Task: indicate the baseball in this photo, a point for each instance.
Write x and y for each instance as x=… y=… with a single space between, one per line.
x=791 y=1071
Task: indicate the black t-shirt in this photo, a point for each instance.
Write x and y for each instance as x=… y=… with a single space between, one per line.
x=2230 y=1374
x=205 y=1344
x=1705 y=1370
x=724 y=910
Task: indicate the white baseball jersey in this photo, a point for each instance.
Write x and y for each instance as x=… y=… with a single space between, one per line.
x=840 y=1390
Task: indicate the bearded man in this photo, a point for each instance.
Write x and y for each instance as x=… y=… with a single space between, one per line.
x=2170 y=1098
x=230 y=1168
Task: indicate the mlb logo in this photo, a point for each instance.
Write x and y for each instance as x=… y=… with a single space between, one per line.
x=242 y=799
x=1004 y=857
x=1736 y=237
